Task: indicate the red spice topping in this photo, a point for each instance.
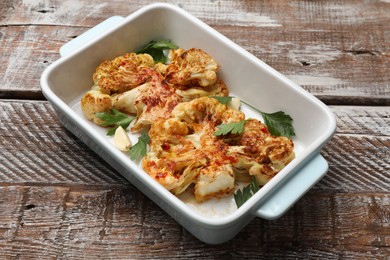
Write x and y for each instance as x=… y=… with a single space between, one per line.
x=165 y=146
x=152 y=164
x=171 y=166
x=232 y=159
x=161 y=175
x=264 y=130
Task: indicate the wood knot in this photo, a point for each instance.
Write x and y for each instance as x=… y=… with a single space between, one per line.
x=305 y=63
x=29 y=206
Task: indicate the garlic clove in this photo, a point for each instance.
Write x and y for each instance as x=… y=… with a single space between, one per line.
x=234 y=103
x=121 y=139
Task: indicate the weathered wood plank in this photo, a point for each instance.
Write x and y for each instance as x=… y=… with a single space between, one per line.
x=239 y=13
x=338 y=51
x=36 y=148
x=359 y=153
x=117 y=223
x=357 y=164
x=372 y=121
x=26 y=52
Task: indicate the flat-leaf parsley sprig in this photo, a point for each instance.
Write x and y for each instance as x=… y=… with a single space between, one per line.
x=140 y=148
x=156 y=49
x=114 y=118
x=278 y=123
x=222 y=99
x=241 y=196
x=233 y=128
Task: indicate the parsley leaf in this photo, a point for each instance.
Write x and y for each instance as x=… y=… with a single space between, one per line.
x=241 y=196
x=279 y=124
x=139 y=149
x=223 y=100
x=156 y=48
x=233 y=128
x=114 y=118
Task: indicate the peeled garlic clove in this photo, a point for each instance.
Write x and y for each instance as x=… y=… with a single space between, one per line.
x=121 y=139
x=234 y=103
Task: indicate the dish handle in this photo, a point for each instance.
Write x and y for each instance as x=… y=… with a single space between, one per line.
x=87 y=36
x=291 y=190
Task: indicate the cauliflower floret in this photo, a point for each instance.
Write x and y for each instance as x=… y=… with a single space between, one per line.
x=191 y=67
x=259 y=153
x=258 y=142
x=167 y=137
x=214 y=181
x=206 y=110
x=94 y=101
x=175 y=174
x=172 y=160
x=125 y=101
x=217 y=89
x=157 y=100
x=161 y=68
x=123 y=73
x=150 y=101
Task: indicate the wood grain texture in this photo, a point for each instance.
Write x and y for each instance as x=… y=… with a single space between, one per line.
x=339 y=51
x=120 y=223
x=60 y=200
x=84 y=209
x=36 y=148
x=361 y=146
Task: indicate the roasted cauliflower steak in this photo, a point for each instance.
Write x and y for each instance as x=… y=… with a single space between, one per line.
x=149 y=101
x=95 y=101
x=191 y=67
x=123 y=73
x=185 y=151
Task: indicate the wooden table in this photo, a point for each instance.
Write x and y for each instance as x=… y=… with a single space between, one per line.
x=59 y=199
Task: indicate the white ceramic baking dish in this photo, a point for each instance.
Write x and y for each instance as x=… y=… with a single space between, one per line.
x=66 y=80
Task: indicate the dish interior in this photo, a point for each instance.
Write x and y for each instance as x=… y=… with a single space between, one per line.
x=247 y=78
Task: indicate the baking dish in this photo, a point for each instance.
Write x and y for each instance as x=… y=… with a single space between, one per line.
x=65 y=81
